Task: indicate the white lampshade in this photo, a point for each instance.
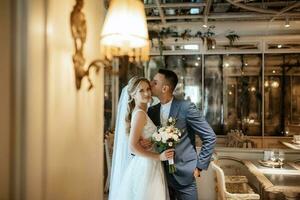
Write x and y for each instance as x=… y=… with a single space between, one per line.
x=125 y=31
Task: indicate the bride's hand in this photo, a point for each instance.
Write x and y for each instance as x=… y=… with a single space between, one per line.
x=166 y=155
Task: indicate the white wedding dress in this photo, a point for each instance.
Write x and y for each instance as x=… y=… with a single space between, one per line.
x=144 y=178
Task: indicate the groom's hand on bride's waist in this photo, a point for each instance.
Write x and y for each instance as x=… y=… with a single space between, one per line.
x=197 y=172
x=146 y=143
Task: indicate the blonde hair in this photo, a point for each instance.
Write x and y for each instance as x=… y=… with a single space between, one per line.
x=131 y=90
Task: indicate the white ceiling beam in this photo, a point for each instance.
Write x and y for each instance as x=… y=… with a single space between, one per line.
x=284 y=10
x=185 y=17
x=153 y=18
x=177 y=5
x=161 y=12
x=252 y=8
x=182 y=5
x=263 y=4
x=249 y=15
x=206 y=11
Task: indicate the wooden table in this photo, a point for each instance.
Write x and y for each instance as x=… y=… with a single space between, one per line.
x=284 y=180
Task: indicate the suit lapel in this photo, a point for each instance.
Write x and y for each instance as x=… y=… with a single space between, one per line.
x=157 y=115
x=174 y=108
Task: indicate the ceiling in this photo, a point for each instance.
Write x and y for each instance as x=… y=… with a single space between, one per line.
x=164 y=12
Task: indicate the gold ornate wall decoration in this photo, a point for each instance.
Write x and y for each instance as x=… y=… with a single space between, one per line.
x=79 y=30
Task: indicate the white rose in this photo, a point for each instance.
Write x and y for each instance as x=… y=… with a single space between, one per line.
x=170 y=134
x=170 y=144
x=157 y=137
x=164 y=137
x=175 y=137
x=170 y=119
x=161 y=130
x=168 y=129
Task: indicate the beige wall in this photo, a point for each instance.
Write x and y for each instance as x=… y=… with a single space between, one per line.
x=74 y=141
x=61 y=131
x=5 y=97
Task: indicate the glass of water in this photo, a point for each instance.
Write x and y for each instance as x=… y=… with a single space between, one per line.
x=272 y=156
x=281 y=157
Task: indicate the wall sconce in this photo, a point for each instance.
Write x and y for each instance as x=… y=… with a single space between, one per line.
x=124 y=33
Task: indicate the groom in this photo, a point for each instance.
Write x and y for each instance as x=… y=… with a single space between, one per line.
x=182 y=184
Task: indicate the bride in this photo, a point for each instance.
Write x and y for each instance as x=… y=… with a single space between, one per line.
x=136 y=173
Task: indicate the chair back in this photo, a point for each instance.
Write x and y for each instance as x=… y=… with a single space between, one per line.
x=222 y=192
x=108 y=148
x=220 y=181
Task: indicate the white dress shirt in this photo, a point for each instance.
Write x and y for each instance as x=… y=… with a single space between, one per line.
x=164 y=112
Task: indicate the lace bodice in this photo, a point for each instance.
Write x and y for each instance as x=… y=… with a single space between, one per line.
x=149 y=127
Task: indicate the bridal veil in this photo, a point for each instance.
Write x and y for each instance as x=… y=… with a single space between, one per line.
x=121 y=154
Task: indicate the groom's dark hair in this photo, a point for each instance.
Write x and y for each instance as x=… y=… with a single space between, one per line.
x=170 y=76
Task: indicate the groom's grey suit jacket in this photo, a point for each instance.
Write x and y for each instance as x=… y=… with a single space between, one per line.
x=191 y=122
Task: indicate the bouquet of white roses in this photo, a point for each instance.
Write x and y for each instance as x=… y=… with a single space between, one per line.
x=166 y=138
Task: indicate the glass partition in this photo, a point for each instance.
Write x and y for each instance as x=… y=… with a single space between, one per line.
x=213 y=92
x=281 y=96
x=232 y=95
x=242 y=93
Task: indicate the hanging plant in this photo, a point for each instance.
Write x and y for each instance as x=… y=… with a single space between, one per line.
x=160 y=35
x=153 y=34
x=210 y=32
x=207 y=36
x=199 y=34
x=168 y=32
x=210 y=43
x=232 y=37
x=186 y=35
